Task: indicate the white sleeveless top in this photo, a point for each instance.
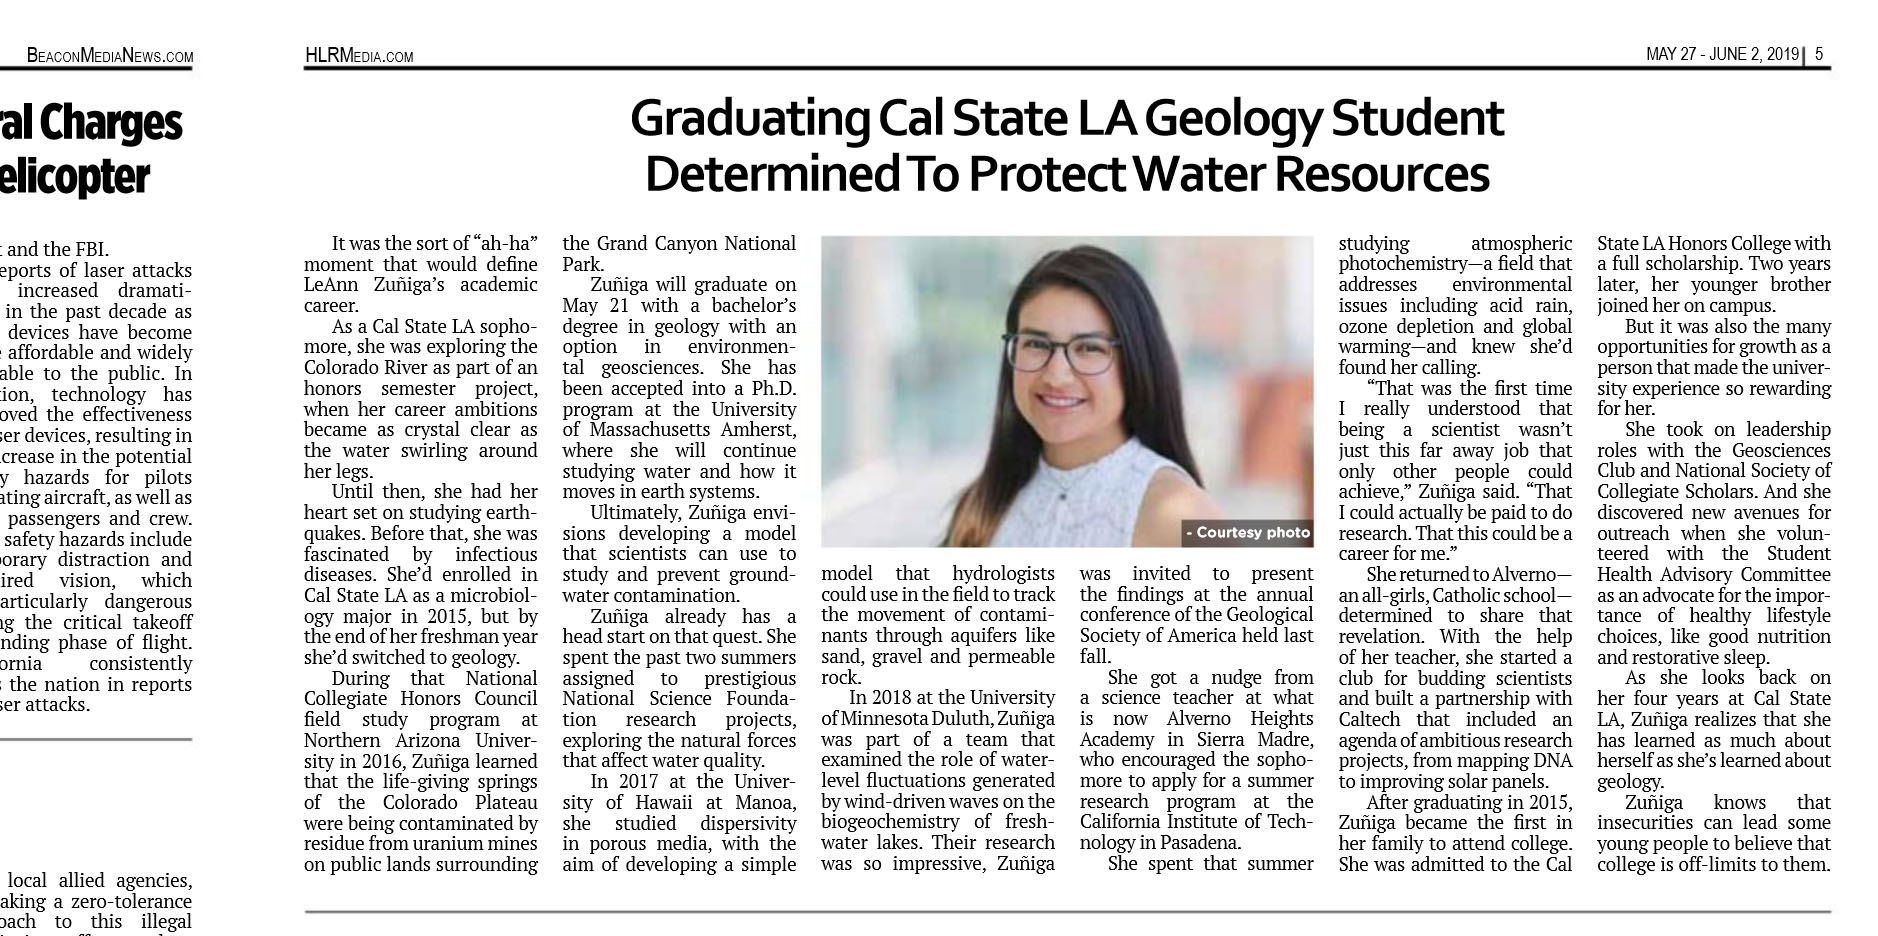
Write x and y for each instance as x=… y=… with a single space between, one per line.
x=1092 y=505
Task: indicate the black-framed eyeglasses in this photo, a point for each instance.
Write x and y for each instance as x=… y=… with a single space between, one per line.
x=1087 y=355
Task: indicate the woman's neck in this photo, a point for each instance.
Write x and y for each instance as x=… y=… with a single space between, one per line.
x=1083 y=451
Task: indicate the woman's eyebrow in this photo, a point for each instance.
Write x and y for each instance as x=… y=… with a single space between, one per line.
x=1044 y=334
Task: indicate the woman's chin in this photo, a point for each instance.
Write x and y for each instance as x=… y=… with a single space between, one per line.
x=1059 y=428
x=1060 y=432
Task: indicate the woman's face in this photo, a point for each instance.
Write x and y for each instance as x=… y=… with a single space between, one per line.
x=1078 y=416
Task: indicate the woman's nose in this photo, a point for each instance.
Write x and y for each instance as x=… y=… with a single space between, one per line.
x=1057 y=367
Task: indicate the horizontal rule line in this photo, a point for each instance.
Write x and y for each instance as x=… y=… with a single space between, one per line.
x=85 y=68
x=1072 y=68
x=1077 y=912
x=97 y=739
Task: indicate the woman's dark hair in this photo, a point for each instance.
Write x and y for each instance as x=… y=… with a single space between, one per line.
x=1151 y=410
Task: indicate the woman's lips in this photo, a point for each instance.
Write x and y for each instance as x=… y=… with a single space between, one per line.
x=1056 y=401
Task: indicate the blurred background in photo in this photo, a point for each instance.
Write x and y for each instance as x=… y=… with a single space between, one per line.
x=911 y=350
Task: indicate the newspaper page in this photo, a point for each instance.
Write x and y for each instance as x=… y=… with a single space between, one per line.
x=476 y=468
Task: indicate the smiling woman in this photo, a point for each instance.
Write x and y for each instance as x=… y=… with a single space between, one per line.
x=1089 y=442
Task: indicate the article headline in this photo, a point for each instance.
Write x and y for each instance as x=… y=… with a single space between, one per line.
x=855 y=127
x=66 y=121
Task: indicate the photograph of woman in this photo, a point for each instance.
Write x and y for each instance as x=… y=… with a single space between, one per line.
x=1050 y=390
x=1088 y=440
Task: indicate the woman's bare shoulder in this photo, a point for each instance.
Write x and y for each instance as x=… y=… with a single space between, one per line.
x=1170 y=498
